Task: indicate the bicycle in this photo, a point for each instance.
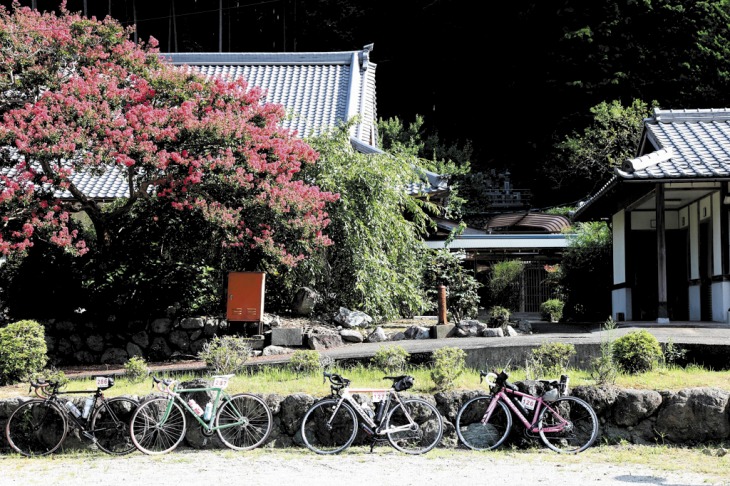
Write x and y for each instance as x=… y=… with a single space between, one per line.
x=242 y=421
x=564 y=423
x=40 y=425
x=411 y=425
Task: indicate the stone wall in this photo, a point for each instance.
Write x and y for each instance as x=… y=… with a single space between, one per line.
x=693 y=417
x=114 y=343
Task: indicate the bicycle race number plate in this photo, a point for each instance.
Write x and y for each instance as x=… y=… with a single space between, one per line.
x=102 y=382
x=220 y=381
x=528 y=403
x=379 y=396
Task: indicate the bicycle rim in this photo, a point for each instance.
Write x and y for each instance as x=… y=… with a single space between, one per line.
x=36 y=428
x=581 y=430
x=153 y=430
x=327 y=429
x=478 y=435
x=245 y=422
x=423 y=433
x=110 y=425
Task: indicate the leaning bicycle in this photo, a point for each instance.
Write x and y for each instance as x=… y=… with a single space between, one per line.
x=410 y=425
x=241 y=421
x=40 y=426
x=564 y=423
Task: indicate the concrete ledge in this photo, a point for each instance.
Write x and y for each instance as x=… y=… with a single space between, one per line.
x=441 y=331
x=286 y=336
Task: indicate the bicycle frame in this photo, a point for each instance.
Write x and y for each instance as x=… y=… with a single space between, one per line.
x=527 y=401
x=81 y=422
x=387 y=395
x=174 y=394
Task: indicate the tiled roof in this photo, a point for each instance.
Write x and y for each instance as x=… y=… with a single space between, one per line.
x=320 y=90
x=680 y=145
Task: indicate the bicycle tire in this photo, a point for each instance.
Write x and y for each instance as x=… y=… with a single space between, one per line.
x=428 y=431
x=253 y=421
x=36 y=428
x=479 y=436
x=110 y=425
x=579 y=435
x=149 y=434
x=329 y=427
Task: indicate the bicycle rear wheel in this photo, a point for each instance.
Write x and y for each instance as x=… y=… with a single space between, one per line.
x=580 y=432
x=36 y=428
x=245 y=422
x=478 y=435
x=419 y=436
x=329 y=427
x=110 y=425
x=154 y=430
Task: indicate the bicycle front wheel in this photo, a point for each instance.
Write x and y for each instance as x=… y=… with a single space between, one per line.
x=329 y=426
x=157 y=426
x=110 y=425
x=577 y=434
x=36 y=428
x=477 y=433
x=244 y=422
x=420 y=426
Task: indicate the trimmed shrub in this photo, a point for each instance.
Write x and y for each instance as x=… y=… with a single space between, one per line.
x=135 y=369
x=391 y=359
x=498 y=316
x=305 y=361
x=552 y=310
x=637 y=352
x=24 y=351
x=226 y=354
x=550 y=359
x=448 y=364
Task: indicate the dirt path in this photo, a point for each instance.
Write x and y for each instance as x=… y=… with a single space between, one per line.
x=298 y=468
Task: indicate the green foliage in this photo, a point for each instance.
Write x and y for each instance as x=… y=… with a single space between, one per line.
x=135 y=369
x=448 y=364
x=637 y=352
x=51 y=374
x=305 y=361
x=552 y=310
x=23 y=349
x=446 y=268
x=550 y=359
x=672 y=353
x=603 y=368
x=498 y=316
x=378 y=257
x=226 y=354
x=391 y=359
x=504 y=283
x=586 y=270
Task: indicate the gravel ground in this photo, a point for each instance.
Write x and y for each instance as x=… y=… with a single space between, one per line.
x=351 y=468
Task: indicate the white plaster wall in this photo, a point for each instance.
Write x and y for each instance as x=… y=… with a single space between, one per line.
x=720 y=301
x=694 y=303
x=646 y=220
x=716 y=240
x=621 y=302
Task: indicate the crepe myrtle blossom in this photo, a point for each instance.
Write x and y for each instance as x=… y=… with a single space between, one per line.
x=210 y=147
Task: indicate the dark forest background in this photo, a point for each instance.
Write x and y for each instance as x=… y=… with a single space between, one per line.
x=512 y=77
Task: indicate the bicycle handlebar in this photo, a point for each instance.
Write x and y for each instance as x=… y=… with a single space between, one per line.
x=337 y=381
x=163 y=384
x=39 y=387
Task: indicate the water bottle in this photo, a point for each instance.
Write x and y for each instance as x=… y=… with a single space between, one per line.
x=87 y=407
x=196 y=408
x=73 y=408
x=208 y=411
x=368 y=410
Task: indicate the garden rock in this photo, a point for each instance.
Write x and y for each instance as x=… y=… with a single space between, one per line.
x=293 y=408
x=633 y=406
x=192 y=323
x=417 y=332
x=134 y=350
x=161 y=326
x=276 y=350
x=493 y=332
x=114 y=356
x=377 y=336
x=324 y=341
x=694 y=415
x=304 y=301
x=351 y=336
x=350 y=319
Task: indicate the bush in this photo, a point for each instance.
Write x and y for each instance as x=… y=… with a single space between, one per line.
x=498 y=316
x=226 y=354
x=550 y=359
x=448 y=364
x=637 y=352
x=504 y=283
x=135 y=369
x=462 y=288
x=391 y=359
x=24 y=351
x=603 y=369
x=305 y=361
x=552 y=310
x=51 y=374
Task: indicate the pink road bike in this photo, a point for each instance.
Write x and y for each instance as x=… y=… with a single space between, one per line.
x=564 y=423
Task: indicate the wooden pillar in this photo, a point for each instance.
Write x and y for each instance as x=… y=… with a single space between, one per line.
x=661 y=252
x=442 y=304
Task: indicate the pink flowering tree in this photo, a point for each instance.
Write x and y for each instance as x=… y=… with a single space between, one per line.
x=81 y=100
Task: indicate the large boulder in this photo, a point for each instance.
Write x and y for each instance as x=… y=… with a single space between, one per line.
x=694 y=415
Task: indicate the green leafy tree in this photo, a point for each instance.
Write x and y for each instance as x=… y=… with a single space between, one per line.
x=446 y=268
x=504 y=283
